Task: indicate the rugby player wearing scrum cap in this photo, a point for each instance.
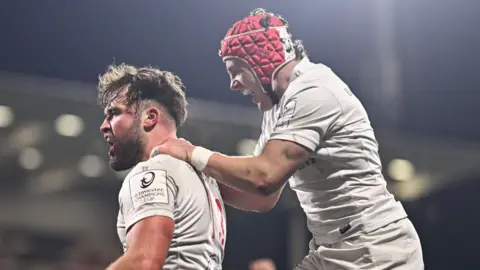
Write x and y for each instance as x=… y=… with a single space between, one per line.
x=316 y=136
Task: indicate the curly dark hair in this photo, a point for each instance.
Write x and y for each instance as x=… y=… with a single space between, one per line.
x=141 y=85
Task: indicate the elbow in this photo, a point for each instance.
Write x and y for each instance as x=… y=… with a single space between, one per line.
x=268 y=186
x=268 y=193
x=264 y=207
x=268 y=198
x=266 y=190
x=267 y=180
x=150 y=264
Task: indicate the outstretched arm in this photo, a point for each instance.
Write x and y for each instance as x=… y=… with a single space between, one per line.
x=306 y=118
x=263 y=175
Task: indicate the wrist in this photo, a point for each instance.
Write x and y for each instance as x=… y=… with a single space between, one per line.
x=200 y=157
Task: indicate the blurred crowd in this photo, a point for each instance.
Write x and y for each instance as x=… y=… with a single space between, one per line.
x=24 y=250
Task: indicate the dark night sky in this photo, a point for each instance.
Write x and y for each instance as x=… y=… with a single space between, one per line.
x=436 y=41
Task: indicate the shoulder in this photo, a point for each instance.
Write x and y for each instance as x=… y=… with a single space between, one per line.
x=316 y=87
x=161 y=166
x=158 y=176
x=307 y=83
x=162 y=162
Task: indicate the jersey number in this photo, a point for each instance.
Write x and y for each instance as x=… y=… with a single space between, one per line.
x=216 y=211
x=220 y=235
x=218 y=220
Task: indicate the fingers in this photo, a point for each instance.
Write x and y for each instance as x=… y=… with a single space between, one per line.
x=178 y=141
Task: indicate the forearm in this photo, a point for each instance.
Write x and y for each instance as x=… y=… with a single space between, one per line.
x=248 y=174
x=247 y=201
x=124 y=262
x=133 y=262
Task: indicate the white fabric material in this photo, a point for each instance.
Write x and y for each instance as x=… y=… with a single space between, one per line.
x=341 y=188
x=200 y=157
x=393 y=247
x=165 y=186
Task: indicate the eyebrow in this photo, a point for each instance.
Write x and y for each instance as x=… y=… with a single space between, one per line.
x=233 y=69
x=110 y=110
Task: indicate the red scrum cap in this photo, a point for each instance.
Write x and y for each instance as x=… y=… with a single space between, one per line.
x=263 y=41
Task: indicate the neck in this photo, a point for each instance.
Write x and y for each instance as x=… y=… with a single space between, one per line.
x=156 y=139
x=282 y=78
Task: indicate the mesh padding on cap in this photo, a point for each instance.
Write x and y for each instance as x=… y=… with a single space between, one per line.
x=262 y=48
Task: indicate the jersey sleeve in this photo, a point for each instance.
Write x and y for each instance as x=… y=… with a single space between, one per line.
x=148 y=191
x=307 y=116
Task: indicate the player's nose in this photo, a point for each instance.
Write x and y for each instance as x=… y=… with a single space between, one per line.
x=105 y=126
x=235 y=85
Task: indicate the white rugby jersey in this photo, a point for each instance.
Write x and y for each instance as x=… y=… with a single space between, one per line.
x=165 y=186
x=341 y=188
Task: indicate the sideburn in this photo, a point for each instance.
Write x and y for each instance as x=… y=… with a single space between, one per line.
x=130 y=150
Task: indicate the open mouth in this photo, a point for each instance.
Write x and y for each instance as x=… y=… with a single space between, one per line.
x=111 y=150
x=250 y=93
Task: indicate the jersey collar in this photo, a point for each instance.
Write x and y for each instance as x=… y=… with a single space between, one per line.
x=301 y=68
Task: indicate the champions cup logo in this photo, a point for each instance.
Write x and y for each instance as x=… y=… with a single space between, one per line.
x=147 y=179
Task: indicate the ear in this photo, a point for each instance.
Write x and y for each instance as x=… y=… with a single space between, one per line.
x=151 y=117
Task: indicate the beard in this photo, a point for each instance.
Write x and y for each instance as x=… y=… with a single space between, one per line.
x=128 y=151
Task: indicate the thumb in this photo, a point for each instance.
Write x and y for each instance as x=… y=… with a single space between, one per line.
x=155 y=151
x=160 y=149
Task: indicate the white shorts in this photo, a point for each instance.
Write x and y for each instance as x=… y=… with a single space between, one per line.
x=394 y=247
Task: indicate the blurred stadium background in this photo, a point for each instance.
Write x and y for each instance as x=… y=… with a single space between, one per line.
x=414 y=65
